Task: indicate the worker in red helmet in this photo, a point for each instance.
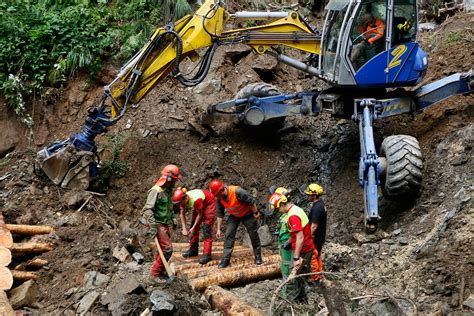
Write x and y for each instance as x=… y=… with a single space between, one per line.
x=203 y=207
x=301 y=243
x=158 y=215
x=242 y=208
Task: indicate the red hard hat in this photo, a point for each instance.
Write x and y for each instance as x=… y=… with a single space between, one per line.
x=171 y=171
x=178 y=195
x=216 y=186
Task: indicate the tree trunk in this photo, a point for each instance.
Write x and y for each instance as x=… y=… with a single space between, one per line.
x=181 y=266
x=229 y=304
x=178 y=257
x=33 y=264
x=5 y=307
x=5 y=256
x=24 y=275
x=205 y=271
x=6 y=279
x=31 y=247
x=237 y=277
x=29 y=229
x=184 y=245
x=181 y=248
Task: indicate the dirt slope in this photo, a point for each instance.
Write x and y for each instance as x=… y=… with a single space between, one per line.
x=410 y=255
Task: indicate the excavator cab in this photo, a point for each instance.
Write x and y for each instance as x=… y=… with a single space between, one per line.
x=371 y=44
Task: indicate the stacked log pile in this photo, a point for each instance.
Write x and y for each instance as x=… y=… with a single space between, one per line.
x=20 y=273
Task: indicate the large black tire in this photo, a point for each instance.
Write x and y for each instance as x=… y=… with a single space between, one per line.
x=261 y=89
x=404 y=167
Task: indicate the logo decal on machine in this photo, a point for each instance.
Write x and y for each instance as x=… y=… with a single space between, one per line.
x=397 y=53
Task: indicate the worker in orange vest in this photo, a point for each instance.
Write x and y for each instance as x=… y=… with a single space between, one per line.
x=158 y=215
x=203 y=207
x=372 y=32
x=242 y=208
x=301 y=244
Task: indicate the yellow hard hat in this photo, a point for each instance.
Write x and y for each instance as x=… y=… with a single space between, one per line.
x=314 y=189
x=282 y=191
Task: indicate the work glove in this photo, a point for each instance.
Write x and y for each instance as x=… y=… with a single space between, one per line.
x=286 y=245
x=153 y=229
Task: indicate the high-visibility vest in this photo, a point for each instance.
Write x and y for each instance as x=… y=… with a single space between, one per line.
x=195 y=195
x=373 y=32
x=298 y=211
x=162 y=210
x=234 y=206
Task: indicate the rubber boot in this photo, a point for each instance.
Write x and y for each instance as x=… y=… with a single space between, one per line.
x=192 y=251
x=224 y=263
x=258 y=260
x=205 y=259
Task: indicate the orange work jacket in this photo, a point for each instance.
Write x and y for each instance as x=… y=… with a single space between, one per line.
x=234 y=206
x=373 y=31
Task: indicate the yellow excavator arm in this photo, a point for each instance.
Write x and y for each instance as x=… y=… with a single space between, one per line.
x=169 y=45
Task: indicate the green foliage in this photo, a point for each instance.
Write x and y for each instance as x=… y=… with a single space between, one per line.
x=114 y=166
x=45 y=42
x=454 y=37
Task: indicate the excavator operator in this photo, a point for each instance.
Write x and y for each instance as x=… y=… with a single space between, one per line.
x=372 y=31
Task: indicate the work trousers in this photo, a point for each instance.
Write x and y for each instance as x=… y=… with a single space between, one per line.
x=208 y=217
x=296 y=289
x=164 y=239
x=317 y=265
x=286 y=259
x=251 y=225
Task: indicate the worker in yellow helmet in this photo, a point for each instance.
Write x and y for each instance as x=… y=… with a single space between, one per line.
x=318 y=219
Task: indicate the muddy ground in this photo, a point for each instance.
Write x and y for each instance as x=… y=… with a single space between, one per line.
x=422 y=252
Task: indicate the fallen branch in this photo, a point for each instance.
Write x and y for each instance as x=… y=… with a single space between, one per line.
x=85 y=203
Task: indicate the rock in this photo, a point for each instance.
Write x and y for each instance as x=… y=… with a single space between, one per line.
x=403 y=241
x=360 y=238
x=122 y=254
x=162 y=301
x=428 y=26
x=129 y=124
x=73 y=199
x=463 y=196
x=396 y=232
x=86 y=302
x=94 y=279
x=138 y=257
x=388 y=241
x=263 y=64
x=208 y=87
x=469 y=302
x=265 y=235
x=41 y=135
x=118 y=290
x=23 y=295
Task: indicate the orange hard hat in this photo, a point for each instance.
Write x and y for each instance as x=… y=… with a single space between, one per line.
x=216 y=186
x=178 y=195
x=171 y=171
x=276 y=199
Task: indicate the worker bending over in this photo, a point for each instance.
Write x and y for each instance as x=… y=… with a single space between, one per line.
x=301 y=244
x=158 y=215
x=203 y=207
x=318 y=219
x=242 y=208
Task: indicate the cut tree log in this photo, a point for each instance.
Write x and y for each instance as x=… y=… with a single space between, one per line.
x=228 y=303
x=186 y=244
x=6 y=238
x=33 y=264
x=29 y=230
x=214 y=247
x=181 y=266
x=5 y=307
x=217 y=255
x=6 y=278
x=199 y=273
x=5 y=256
x=31 y=247
x=24 y=275
x=237 y=277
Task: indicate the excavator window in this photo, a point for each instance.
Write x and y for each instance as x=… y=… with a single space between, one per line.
x=404 y=22
x=368 y=32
